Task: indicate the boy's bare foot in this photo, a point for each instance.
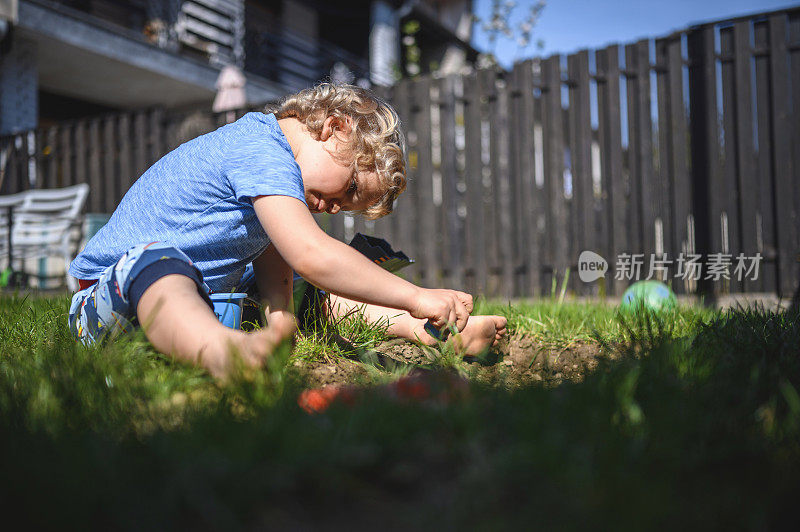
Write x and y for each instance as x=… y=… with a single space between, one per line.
x=481 y=333
x=256 y=346
x=178 y=322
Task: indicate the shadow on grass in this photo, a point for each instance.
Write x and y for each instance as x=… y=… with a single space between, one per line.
x=678 y=430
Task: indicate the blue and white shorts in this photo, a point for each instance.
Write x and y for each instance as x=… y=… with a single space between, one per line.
x=108 y=307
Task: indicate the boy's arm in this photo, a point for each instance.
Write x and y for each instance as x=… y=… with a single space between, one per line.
x=338 y=268
x=274 y=280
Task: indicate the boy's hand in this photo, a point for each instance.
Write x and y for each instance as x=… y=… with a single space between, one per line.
x=443 y=307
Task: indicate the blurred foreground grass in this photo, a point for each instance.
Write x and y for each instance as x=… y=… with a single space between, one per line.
x=694 y=423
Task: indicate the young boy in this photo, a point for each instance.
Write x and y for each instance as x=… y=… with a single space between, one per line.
x=245 y=193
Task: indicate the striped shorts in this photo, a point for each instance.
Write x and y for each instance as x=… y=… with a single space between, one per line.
x=108 y=307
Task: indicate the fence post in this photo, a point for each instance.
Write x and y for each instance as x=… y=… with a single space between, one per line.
x=580 y=146
x=40 y=158
x=679 y=154
x=475 y=227
x=97 y=200
x=785 y=216
x=66 y=154
x=110 y=159
x=745 y=151
x=666 y=207
x=384 y=226
x=704 y=149
x=553 y=127
x=126 y=174
x=765 y=175
x=405 y=222
x=502 y=184
x=640 y=148
x=157 y=140
x=730 y=184
x=50 y=154
x=529 y=200
x=452 y=224
x=607 y=61
x=140 y=145
x=426 y=215
x=793 y=129
x=81 y=173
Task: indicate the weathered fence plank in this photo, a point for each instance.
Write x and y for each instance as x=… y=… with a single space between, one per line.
x=487 y=87
x=706 y=180
x=66 y=154
x=426 y=212
x=452 y=233
x=157 y=142
x=580 y=147
x=610 y=136
x=786 y=215
x=552 y=121
x=81 y=167
x=359 y=224
x=764 y=175
x=475 y=227
x=730 y=187
x=679 y=157
x=406 y=208
x=126 y=172
x=641 y=147
x=530 y=200
x=96 y=185
x=745 y=153
x=140 y=163
x=630 y=162
x=110 y=158
x=383 y=227
x=40 y=159
x=793 y=43
x=49 y=152
x=663 y=168
x=502 y=185
x=515 y=169
x=335 y=225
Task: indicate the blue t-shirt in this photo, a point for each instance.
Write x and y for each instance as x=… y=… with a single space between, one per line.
x=198 y=199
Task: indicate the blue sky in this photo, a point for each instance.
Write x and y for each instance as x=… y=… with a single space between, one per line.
x=569 y=25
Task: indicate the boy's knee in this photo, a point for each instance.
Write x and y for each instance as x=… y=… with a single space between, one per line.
x=152 y=262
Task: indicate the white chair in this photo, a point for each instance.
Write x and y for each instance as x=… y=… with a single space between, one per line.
x=42 y=225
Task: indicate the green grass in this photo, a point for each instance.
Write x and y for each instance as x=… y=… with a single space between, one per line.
x=319 y=342
x=560 y=325
x=694 y=423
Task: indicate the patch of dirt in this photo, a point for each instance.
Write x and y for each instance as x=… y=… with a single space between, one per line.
x=517 y=361
x=524 y=361
x=336 y=370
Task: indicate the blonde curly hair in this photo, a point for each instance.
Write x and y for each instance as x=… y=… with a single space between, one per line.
x=377 y=145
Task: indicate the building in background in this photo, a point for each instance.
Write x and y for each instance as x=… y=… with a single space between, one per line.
x=68 y=59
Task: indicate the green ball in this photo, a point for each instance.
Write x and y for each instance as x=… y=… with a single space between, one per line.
x=653 y=295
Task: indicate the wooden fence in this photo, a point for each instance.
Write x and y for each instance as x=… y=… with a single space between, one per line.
x=679 y=146
x=674 y=147
x=108 y=152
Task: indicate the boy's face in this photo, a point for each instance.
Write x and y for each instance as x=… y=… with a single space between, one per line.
x=331 y=183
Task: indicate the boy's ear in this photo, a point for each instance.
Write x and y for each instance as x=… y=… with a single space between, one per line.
x=335 y=124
